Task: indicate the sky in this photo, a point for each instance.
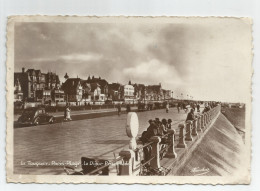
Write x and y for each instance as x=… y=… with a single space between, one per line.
x=208 y=59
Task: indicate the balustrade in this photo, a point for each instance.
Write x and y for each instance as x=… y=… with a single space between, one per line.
x=131 y=158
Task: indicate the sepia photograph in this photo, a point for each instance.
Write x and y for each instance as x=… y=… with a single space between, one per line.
x=129 y=100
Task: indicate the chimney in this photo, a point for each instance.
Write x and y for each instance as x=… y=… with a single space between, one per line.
x=23 y=69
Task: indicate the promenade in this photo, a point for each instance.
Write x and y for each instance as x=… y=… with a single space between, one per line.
x=60 y=114
x=50 y=146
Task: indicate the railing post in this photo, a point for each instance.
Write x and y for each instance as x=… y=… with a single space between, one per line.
x=128 y=162
x=155 y=162
x=194 y=129
x=188 y=136
x=181 y=143
x=199 y=123
x=171 y=151
x=210 y=111
x=205 y=120
x=202 y=121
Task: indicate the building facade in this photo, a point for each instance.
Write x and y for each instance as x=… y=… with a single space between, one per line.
x=36 y=85
x=73 y=90
x=115 y=92
x=103 y=84
x=128 y=93
x=18 y=94
x=154 y=92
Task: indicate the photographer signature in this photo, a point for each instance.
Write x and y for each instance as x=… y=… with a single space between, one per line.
x=197 y=171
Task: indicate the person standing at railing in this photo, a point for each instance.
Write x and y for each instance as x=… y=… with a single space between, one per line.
x=163 y=127
x=190 y=115
x=169 y=124
x=194 y=106
x=198 y=107
x=206 y=109
x=151 y=131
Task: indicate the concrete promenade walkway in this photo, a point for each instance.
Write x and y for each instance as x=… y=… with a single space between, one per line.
x=50 y=146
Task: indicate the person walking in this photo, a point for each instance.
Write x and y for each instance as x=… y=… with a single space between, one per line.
x=128 y=108
x=179 y=107
x=119 y=109
x=67 y=111
x=167 y=107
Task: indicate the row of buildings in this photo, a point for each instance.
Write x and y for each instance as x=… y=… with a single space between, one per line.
x=35 y=86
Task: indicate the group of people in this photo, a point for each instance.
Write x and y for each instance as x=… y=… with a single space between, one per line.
x=156 y=128
x=194 y=107
x=191 y=116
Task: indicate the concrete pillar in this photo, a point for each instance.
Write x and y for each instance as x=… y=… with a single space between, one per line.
x=171 y=151
x=188 y=136
x=205 y=120
x=181 y=143
x=132 y=127
x=155 y=163
x=199 y=124
x=202 y=122
x=128 y=162
x=194 y=129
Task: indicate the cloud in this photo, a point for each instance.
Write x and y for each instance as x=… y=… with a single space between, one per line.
x=193 y=57
x=152 y=71
x=81 y=57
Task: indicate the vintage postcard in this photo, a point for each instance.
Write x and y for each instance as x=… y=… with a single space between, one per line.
x=149 y=100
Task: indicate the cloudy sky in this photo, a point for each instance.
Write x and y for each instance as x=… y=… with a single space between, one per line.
x=208 y=60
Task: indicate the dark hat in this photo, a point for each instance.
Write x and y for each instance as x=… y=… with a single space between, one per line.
x=157 y=119
x=164 y=121
x=169 y=120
